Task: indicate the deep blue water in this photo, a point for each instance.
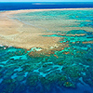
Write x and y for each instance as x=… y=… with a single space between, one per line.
x=17 y=6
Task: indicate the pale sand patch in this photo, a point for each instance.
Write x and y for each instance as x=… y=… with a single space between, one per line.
x=36 y=10
x=18 y=34
x=15 y=33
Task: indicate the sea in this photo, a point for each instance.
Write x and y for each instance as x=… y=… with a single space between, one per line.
x=43 y=5
x=64 y=69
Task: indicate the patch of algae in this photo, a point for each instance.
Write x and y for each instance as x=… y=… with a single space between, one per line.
x=32 y=81
x=69 y=84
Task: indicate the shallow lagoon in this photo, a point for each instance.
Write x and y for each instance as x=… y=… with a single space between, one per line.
x=67 y=68
x=57 y=19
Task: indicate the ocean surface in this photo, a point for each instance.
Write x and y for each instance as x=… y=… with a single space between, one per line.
x=64 y=69
x=34 y=5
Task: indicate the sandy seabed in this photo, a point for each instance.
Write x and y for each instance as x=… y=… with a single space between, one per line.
x=17 y=34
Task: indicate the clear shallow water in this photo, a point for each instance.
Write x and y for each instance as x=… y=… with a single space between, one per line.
x=57 y=20
x=67 y=69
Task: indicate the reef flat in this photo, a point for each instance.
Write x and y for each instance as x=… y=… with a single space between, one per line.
x=62 y=62
x=24 y=28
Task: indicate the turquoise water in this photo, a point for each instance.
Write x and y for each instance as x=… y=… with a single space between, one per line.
x=56 y=20
x=66 y=69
